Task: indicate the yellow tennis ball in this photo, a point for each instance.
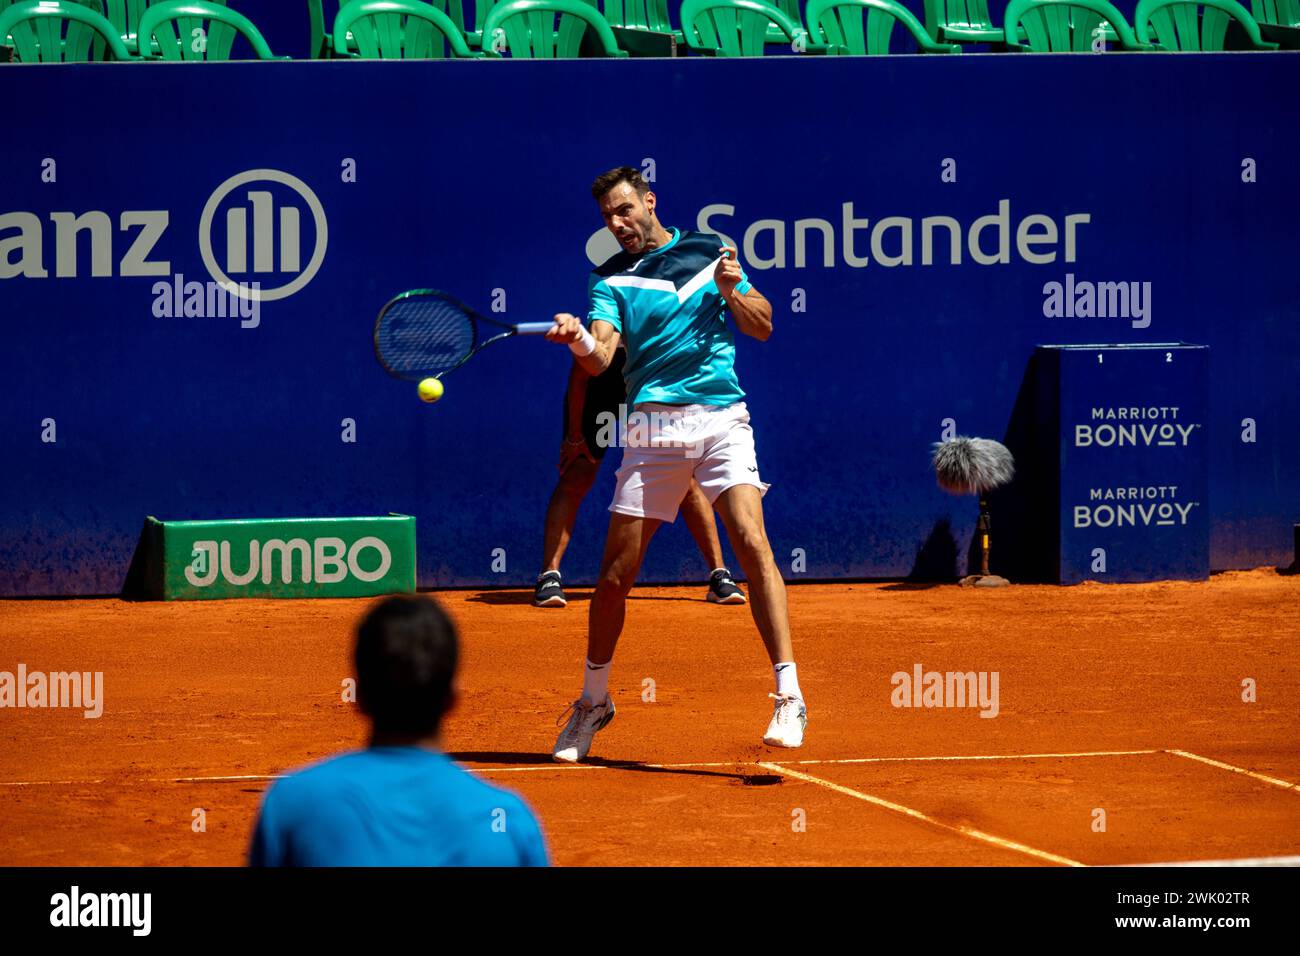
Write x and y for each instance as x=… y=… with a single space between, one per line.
x=430 y=390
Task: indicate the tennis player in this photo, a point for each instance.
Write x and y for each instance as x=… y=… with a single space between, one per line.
x=665 y=297
x=587 y=400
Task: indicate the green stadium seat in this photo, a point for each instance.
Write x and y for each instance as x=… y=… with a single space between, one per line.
x=961 y=21
x=647 y=16
x=96 y=5
x=197 y=31
x=864 y=27
x=731 y=28
x=123 y=14
x=640 y=14
x=60 y=31
x=397 y=30
x=546 y=29
x=1065 y=26
x=791 y=9
x=126 y=14
x=456 y=12
x=776 y=36
x=1279 y=13
x=322 y=43
x=1194 y=25
x=642 y=27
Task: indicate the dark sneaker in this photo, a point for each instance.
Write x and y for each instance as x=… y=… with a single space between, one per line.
x=548 y=592
x=723 y=590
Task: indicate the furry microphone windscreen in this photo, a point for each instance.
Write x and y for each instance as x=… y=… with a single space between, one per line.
x=967 y=466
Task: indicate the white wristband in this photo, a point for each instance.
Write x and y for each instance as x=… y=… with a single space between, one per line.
x=585 y=345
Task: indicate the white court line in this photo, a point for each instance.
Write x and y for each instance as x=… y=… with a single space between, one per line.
x=838 y=760
x=542 y=768
x=1284 y=784
x=47 y=783
x=924 y=817
x=1083 y=753
x=1250 y=861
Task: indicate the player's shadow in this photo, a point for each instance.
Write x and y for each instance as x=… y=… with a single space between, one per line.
x=511 y=758
x=526 y=597
x=936 y=561
x=1025 y=513
x=519 y=597
x=499 y=756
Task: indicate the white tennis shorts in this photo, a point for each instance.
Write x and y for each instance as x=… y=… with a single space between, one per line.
x=664 y=446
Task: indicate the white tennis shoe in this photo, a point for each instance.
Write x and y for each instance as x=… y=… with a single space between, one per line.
x=788 y=722
x=584 y=720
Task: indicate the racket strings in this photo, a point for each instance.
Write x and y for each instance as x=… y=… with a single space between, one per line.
x=422 y=335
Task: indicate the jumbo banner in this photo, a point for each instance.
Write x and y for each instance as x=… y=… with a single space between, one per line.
x=192 y=257
x=287 y=558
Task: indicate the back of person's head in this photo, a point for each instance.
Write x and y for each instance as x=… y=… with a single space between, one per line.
x=406 y=659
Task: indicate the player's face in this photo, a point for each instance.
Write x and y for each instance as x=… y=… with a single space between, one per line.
x=629 y=216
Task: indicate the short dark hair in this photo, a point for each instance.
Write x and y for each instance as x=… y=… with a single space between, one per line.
x=406 y=657
x=620 y=174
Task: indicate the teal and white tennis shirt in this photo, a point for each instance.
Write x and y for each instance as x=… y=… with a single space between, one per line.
x=666 y=306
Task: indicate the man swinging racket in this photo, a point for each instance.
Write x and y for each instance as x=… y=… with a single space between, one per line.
x=664 y=297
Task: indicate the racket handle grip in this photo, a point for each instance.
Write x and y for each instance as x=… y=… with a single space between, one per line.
x=534 y=328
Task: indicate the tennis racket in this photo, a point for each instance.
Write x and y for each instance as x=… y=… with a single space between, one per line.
x=426 y=333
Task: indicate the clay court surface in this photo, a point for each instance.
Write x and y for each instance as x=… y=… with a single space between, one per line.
x=1124 y=698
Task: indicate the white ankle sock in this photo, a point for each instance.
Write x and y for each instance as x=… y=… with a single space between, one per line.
x=787 y=679
x=595 y=683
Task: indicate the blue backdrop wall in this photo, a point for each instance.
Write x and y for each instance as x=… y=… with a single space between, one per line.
x=474 y=177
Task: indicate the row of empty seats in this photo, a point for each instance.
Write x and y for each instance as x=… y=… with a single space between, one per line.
x=82 y=30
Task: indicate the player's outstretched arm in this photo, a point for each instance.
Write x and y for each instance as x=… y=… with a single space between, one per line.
x=594 y=349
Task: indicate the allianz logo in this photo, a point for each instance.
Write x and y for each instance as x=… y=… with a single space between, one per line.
x=263 y=239
x=320 y=561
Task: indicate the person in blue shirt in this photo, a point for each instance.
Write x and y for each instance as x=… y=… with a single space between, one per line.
x=666 y=297
x=401 y=801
